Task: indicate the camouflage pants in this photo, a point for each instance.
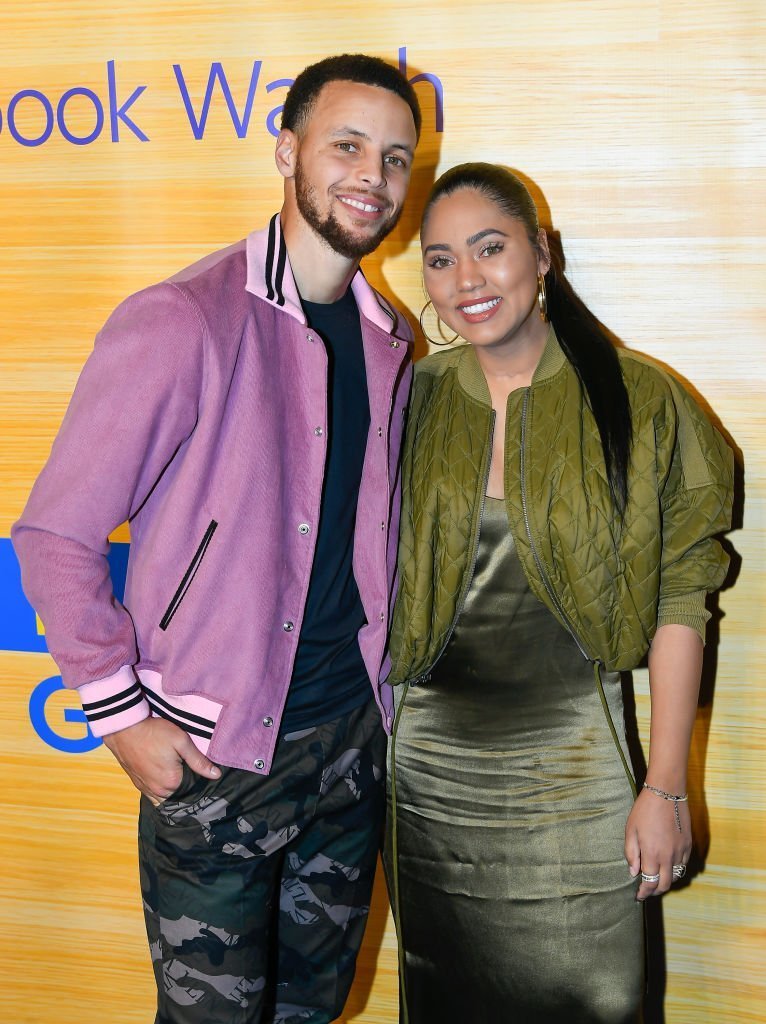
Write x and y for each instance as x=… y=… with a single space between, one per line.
x=256 y=888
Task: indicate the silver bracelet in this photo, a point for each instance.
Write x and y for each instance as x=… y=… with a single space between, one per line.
x=677 y=798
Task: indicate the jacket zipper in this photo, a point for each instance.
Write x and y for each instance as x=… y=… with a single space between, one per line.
x=188 y=576
x=425 y=676
x=557 y=604
x=535 y=555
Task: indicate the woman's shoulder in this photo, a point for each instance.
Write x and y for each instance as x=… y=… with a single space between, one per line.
x=664 y=405
x=649 y=383
x=436 y=364
x=640 y=369
x=654 y=390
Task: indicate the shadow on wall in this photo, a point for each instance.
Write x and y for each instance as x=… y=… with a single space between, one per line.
x=398 y=242
x=654 y=1012
x=367 y=964
x=656 y=957
x=407 y=230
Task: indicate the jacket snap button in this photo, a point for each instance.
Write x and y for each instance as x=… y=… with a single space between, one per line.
x=259 y=764
x=304 y=528
x=382 y=526
x=268 y=721
x=380 y=431
x=318 y=431
x=394 y=344
x=382 y=617
x=309 y=337
x=287 y=626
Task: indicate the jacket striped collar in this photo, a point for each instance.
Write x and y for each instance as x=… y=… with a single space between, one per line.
x=270 y=278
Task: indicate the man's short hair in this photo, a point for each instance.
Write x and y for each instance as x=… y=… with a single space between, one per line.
x=347 y=67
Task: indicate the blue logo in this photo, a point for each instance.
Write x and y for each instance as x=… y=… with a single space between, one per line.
x=37 y=706
x=115 y=113
x=19 y=632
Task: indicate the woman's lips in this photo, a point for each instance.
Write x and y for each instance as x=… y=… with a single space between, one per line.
x=478 y=310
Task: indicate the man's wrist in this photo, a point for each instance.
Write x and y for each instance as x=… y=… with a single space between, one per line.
x=114 y=703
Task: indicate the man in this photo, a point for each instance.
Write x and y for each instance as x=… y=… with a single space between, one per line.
x=246 y=417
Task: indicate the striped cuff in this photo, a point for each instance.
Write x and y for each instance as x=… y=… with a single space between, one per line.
x=113 y=703
x=195 y=714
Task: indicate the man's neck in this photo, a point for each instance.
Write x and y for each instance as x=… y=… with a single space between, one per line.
x=320 y=274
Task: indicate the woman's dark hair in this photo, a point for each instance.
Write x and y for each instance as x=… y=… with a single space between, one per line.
x=346 y=67
x=585 y=342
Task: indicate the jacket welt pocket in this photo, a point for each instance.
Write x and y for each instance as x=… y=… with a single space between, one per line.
x=189 y=575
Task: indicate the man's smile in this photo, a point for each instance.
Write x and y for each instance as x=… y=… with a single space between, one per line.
x=367 y=207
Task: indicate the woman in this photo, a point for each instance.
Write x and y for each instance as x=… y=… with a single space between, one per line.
x=560 y=504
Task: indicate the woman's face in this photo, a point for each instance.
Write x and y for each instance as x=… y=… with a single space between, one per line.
x=480 y=270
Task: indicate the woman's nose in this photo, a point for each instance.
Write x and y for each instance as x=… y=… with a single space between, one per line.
x=469 y=275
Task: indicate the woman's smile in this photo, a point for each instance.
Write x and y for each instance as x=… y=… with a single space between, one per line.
x=478 y=310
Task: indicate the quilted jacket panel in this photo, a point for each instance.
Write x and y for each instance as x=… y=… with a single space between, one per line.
x=611 y=581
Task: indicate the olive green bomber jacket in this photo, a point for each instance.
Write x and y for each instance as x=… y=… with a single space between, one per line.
x=610 y=581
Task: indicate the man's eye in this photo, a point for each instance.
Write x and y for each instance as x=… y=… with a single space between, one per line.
x=396 y=161
x=347 y=147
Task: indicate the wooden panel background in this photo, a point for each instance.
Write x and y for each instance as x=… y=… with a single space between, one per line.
x=642 y=126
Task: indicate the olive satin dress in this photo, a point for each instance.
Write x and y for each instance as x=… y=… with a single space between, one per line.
x=514 y=899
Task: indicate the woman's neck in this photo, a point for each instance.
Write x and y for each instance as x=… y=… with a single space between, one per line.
x=512 y=364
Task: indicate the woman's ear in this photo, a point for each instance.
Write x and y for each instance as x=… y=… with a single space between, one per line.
x=543 y=252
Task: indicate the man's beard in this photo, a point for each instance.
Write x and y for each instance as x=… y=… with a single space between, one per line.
x=330 y=230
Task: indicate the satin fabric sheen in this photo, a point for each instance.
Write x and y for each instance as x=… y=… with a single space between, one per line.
x=515 y=901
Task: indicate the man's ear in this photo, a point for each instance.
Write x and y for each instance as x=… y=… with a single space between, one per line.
x=286 y=153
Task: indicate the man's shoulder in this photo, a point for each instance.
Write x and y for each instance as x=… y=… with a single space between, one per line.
x=210 y=292
x=202 y=301
x=224 y=270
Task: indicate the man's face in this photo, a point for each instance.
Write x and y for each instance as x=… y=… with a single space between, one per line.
x=353 y=166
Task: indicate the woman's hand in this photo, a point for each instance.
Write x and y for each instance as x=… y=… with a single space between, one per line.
x=653 y=843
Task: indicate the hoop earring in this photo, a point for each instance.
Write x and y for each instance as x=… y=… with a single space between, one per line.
x=542 y=298
x=444 y=341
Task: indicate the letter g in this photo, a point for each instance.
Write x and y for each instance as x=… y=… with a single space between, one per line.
x=37 y=702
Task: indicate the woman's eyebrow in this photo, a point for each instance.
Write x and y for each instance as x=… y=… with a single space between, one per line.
x=481 y=234
x=444 y=247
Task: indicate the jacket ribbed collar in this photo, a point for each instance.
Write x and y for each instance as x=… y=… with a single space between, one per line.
x=471 y=376
x=270 y=278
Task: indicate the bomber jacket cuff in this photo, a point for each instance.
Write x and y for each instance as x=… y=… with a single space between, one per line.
x=688 y=610
x=114 y=702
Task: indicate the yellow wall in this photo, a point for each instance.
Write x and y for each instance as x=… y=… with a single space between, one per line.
x=639 y=122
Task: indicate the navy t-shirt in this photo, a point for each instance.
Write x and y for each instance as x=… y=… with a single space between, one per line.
x=329 y=677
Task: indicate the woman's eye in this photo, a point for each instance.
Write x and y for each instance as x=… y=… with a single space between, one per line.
x=438 y=261
x=492 y=249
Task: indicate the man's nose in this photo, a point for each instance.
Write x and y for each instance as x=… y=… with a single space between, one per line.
x=372 y=170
